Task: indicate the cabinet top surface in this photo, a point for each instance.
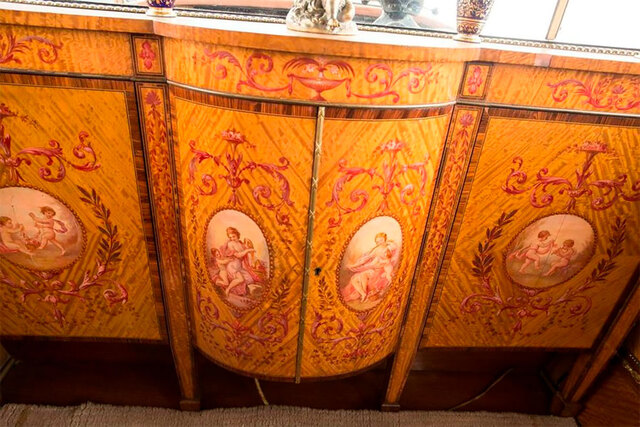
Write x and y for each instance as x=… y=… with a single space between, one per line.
x=276 y=37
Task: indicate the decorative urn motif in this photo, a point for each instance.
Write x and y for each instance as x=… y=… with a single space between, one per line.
x=322 y=16
x=161 y=8
x=472 y=14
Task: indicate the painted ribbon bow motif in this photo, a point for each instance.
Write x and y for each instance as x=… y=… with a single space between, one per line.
x=529 y=303
x=388 y=174
x=51 y=290
x=10 y=164
x=603 y=193
x=318 y=74
x=235 y=170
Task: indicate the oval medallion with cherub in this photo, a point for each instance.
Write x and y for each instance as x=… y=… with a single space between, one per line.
x=369 y=263
x=38 y=231
x=238 y=258
x=550 y=251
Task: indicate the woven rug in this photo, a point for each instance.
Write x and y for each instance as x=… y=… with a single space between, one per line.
x=105 y=415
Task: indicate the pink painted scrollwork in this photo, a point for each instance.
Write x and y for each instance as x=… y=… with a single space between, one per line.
x=386 y=177
x=234 y=169
x=318 y=74
x=602 y=193
x=54 y=169
x=619 y=94
x=270 y=329
x=339 y=344
x=11 y=48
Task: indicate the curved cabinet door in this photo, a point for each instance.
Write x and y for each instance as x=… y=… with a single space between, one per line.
x=546 y=241
x=76 y=252
x=244 y=172
x=375 y=184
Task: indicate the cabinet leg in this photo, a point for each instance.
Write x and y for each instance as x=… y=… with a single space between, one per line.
x=562 y=408
x=589 y=365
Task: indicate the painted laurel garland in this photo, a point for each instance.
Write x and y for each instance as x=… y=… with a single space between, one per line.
x=386 y=177
x=49 y=289
x=621 y=94
x=572 y=303
x=10 y=164
x=11 y=48
x=318 y=74
x=234 y=169
x=602 y=193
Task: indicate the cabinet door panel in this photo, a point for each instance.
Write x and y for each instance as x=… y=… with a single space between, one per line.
x=76 y=233
x=548 y=240
x=376 y=178
x=244 y=182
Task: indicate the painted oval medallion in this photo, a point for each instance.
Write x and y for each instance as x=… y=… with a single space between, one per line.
x=369 y=263
x=238 y=258
x=550 y=251
x=38 y=231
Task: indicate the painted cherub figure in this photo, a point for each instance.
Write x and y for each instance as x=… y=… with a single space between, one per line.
x=373 y=271
x=235 y=261
x=8 y=241
x=565 y=252
x=531 y=254
x=47 y=229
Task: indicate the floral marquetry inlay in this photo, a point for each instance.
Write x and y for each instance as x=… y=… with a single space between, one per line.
x=148 y=53
x=476 y=81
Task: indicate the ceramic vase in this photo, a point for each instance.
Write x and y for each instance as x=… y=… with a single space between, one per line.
x=161 y=8
x=472 y=14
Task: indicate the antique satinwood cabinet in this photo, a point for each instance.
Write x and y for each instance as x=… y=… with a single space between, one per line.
x=293 y=207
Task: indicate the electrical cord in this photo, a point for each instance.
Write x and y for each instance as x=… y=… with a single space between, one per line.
x=483 y=392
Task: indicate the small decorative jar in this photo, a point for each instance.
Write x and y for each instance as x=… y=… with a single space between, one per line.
x=472 y=14
x=161 y=8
